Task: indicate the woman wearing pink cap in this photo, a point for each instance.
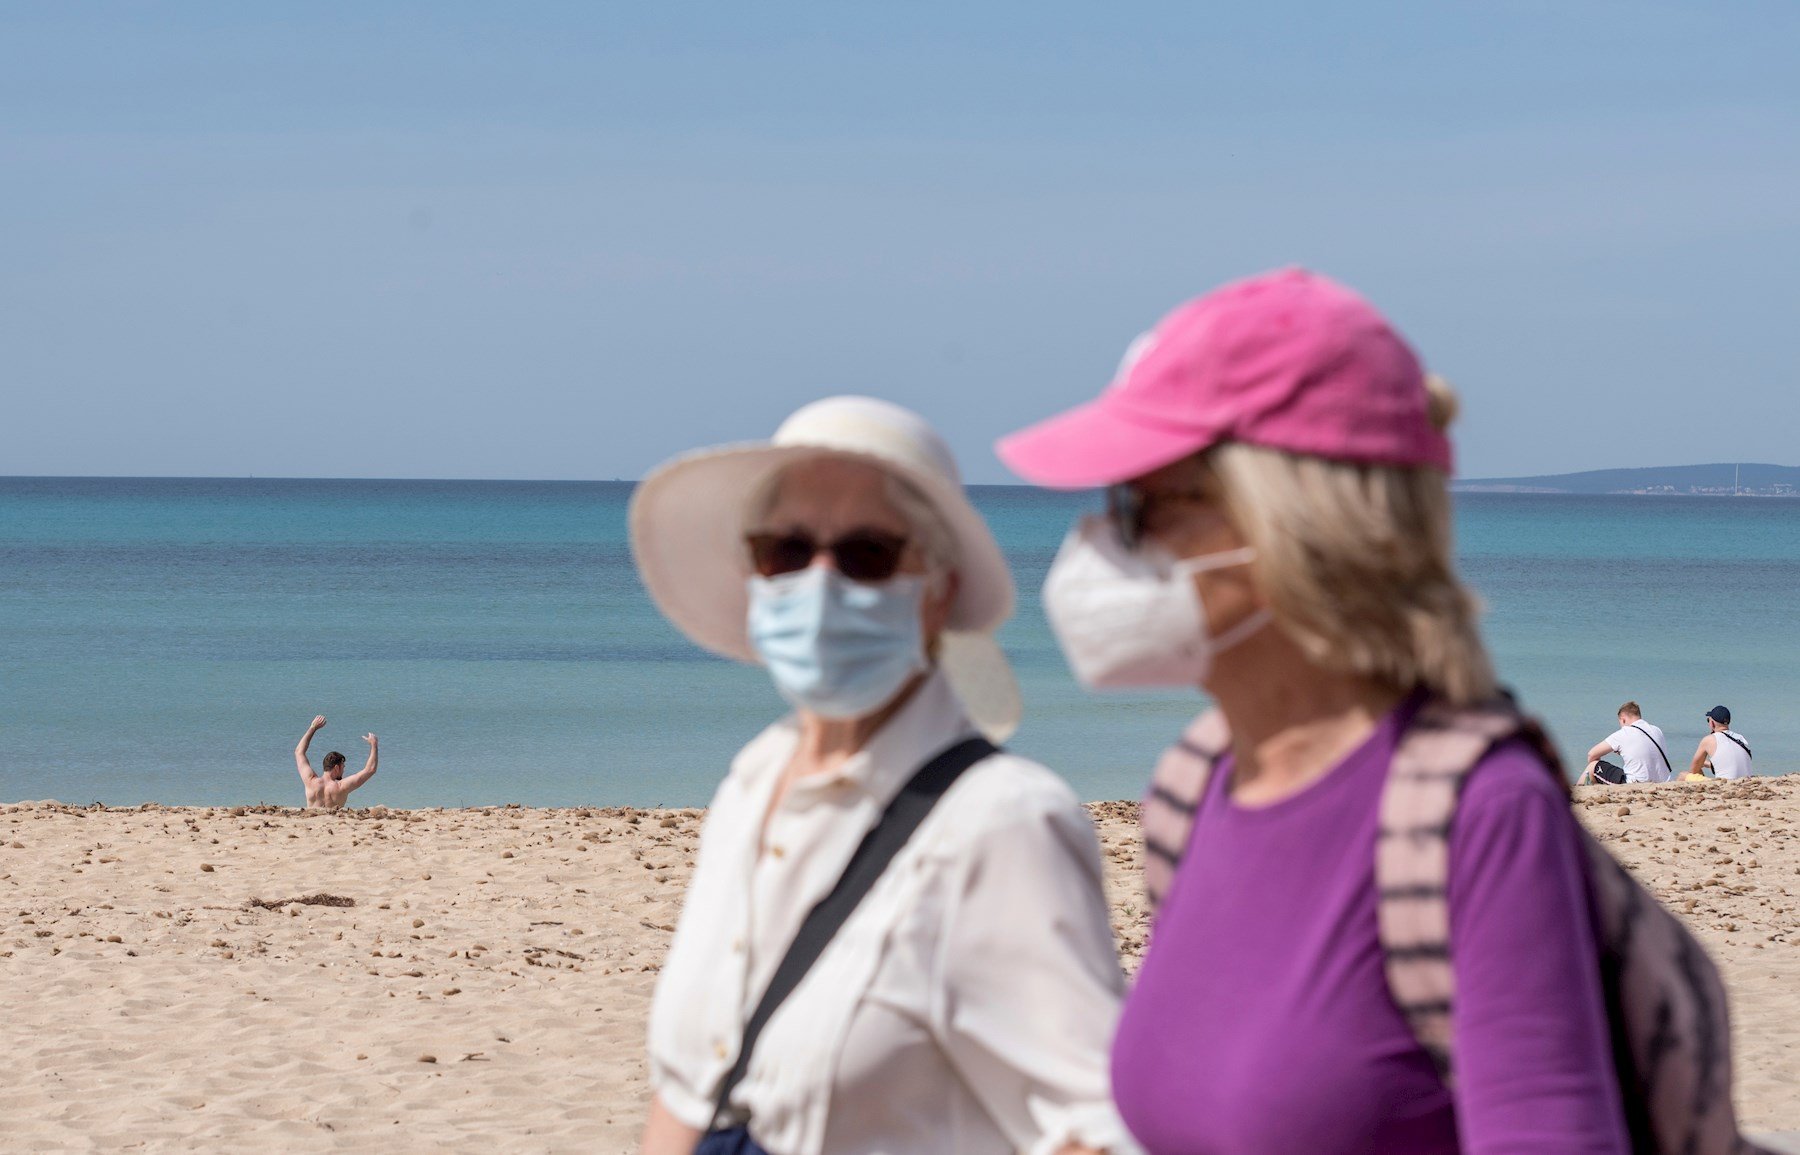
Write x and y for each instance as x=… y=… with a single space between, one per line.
x=1278 y=534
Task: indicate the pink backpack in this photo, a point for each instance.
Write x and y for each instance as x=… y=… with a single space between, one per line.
x=1665 y=1000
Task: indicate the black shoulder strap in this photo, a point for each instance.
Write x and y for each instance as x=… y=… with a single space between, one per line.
x=1665 y=757
x=822 y=923
x=1739 y=741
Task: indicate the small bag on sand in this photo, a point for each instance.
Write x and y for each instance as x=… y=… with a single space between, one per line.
x=1609 y=774
x=1665 y=1000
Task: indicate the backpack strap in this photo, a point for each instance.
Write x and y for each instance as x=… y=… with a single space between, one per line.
x=1412 y=864
x=1412 y=856
x=1167 y=817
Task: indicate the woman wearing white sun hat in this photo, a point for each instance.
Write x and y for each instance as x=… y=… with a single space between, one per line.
x=929 y=906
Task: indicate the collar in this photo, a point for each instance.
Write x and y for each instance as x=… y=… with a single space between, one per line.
x=931 y=720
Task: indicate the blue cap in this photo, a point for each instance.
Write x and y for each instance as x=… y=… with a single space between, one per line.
x=1720 y=715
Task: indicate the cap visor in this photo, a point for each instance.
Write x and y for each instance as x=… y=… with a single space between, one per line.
x=1091 y=446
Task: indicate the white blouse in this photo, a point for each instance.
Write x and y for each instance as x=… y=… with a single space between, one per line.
x=968 y=1003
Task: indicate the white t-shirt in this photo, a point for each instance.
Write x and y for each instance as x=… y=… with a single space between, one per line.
x=1729 y=759
x=1643 y=762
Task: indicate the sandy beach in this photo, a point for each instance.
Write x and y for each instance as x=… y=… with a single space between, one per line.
x=463 y=979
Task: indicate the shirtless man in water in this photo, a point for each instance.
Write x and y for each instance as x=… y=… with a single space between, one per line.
x=331 y=790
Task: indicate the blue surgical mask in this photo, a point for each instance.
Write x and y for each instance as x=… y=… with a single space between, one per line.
x=839 y=648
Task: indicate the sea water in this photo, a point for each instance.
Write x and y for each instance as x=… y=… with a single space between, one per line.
x=168 y=640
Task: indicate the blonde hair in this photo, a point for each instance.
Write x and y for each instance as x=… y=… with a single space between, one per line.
x=1356 y=562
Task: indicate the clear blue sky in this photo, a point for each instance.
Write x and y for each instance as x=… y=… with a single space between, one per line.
x=568 y=240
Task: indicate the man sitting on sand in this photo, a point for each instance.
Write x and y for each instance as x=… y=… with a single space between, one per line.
x=331 y=790
x=1725 y=748
x=1639 y=745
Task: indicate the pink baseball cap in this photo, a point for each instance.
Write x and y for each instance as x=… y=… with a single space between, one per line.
x=1289 y=360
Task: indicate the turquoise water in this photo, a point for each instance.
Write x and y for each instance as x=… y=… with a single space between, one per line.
x=167 y=640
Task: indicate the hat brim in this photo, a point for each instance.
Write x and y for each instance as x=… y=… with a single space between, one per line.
x=687 y=535
x=1094 y=445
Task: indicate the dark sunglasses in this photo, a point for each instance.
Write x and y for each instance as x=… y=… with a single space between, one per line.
x=862 y=555
x=1127 y=507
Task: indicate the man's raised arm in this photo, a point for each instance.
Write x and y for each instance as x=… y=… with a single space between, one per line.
x=368 y=770
x=301 y=762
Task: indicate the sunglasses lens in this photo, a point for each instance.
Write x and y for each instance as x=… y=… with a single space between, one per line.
x=776 y=554
x=867 y=557
x=861 y=557
x=1126 y=509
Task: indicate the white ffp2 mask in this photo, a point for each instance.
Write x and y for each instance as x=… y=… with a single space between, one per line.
x=1126 y=618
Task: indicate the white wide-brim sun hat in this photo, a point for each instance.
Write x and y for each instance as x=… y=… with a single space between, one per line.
x=688 y=524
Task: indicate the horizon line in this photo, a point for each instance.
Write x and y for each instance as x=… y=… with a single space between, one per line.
x=300 y=477
x=1453 y=479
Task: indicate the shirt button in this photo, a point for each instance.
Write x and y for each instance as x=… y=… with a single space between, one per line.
x=719 y=1050
x=737 y=946
x=777 y=850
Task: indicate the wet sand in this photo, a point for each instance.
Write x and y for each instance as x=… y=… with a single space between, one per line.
x=471 y=979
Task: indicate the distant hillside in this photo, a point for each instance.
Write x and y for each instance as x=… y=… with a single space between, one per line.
x=1756 y=480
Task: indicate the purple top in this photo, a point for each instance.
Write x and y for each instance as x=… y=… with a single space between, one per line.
x=1261 y=1020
